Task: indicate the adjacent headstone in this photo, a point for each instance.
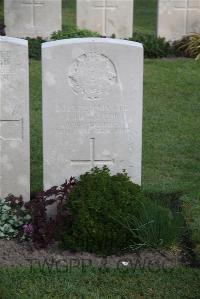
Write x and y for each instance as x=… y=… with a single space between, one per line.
x=14 y=118
x=177 y=18
x=106 y=16
x=92 y=107
x=32 y=18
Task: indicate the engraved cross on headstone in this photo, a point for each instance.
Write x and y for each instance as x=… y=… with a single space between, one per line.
x=13 y=129
x=92 y=162
x=104 y=7
x=33 y=4
x=187 y=6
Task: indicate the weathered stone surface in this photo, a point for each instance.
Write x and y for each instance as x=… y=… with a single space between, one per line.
x=92 y=107
x=32 y=17
x=106 y=16
x=177 y=18
x=14 y=118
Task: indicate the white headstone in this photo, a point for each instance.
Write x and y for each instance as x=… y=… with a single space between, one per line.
x=177 y=18
x=92 y=107
x=32 y=18
x=106 y=16
x=14 y=118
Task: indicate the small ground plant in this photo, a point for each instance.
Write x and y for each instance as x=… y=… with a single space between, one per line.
x=191 y=212
x=154 y=226
x=13 y=216
x=189 y=46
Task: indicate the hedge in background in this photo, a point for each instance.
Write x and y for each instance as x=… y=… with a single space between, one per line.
x=73 y=32
x=154 y=47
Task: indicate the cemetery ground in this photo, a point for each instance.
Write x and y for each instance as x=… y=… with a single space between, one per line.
x=171 y=168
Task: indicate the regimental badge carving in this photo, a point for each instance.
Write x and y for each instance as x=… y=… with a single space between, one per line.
x=92 y=76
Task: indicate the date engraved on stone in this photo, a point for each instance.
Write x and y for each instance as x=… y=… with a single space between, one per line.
x=92 y=76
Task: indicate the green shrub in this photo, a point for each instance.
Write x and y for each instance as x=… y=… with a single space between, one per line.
x=96 y=203
x=73 y=32
x=154 y=47
x=102 y=206
x=189 y=46
x=191 y=212
x=35 y=47
x=13 y=216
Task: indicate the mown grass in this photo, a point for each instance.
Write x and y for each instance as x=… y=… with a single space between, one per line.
x=145 y=16
x=69 y=12
x=1 y=12
x=104 y=283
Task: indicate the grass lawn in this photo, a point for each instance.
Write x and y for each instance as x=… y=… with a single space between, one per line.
x=68 y=12
x=145 y=16
x=139 y=284
x=1 y=12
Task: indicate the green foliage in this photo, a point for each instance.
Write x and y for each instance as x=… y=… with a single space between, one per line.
x=154 y=226
x=110 y=214
x=154 y=47
x=95 y=283
x=73 y=32
x=145 y=16
x=1 y=12
x=189 y=46
x=96 y=203
x=191 y=212
x=69 y=12
x=13 y=216
x=35 y=47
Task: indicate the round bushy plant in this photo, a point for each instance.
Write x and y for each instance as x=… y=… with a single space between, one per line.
x=98 y=203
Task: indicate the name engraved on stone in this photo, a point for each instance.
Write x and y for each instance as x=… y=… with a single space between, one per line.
x=33 y=5
x=105 y=7
x=11 y=129
x=92 y=161
x=94 y=108
x=92 y=76
x=102 y=119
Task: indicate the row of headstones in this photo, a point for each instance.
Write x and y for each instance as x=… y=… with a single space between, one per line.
x=42 y=17
x=92 y=110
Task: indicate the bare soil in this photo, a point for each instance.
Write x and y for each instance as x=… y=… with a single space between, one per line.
x=13 y=253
